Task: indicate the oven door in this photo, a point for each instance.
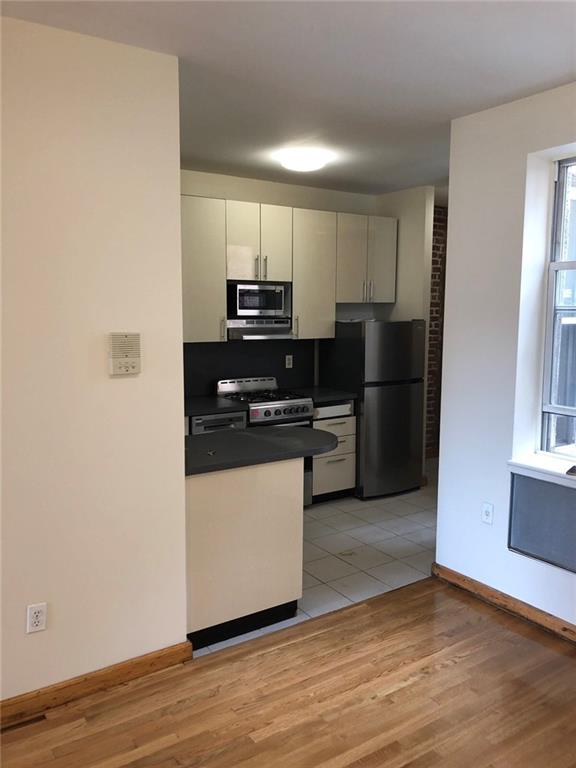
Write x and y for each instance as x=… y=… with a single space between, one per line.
x=258 y=300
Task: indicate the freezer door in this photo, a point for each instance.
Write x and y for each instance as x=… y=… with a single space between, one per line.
x=394 y=351
x=391 y=439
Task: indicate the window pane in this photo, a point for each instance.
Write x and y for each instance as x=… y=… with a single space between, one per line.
x=560 y=434
x=566 y=288
x=567 y=244
x=564 y=359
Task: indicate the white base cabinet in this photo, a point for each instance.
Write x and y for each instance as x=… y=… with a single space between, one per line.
x=243 y=541
x=336 y=470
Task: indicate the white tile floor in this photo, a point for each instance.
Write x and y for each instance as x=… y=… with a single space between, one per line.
x=357 y=549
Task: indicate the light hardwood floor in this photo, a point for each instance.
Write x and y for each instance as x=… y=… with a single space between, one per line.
x=426 y=676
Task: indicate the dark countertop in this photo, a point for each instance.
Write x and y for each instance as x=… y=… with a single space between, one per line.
x=200 y=406
x=216 y=451
x=323 y=395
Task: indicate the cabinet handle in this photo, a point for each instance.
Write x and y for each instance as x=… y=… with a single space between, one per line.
x=297 y=326
x=338 y=424
x=265 y=267
x=223 y=329
x=257 y=267
x=371 y=290
x=335 y=461
x=364 y=291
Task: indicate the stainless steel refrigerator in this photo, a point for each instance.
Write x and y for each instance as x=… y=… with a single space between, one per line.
x=383 y=363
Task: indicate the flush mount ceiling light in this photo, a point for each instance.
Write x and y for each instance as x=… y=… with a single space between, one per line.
x=304 y=159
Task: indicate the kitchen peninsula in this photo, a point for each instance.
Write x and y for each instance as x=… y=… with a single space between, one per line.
x=244 y=525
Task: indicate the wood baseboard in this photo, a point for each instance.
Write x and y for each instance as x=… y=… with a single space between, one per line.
x=31 y=705
x=490 y=595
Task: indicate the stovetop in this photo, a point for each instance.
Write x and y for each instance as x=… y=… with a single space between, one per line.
x=268 y=404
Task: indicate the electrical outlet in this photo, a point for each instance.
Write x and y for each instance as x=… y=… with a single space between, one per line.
x=288 y=361
x=487 y=513
x=36 y=617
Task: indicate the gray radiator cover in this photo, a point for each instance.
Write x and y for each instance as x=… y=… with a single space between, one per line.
x=543 y=521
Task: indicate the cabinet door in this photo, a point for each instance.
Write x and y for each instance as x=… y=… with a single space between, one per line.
x=382 y=237
x=351 y=259
x=203 y=268
x=242 y=240
x=314 y=274
x=276 y=242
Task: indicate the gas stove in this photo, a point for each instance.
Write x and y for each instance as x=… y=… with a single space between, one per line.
x=267 y=404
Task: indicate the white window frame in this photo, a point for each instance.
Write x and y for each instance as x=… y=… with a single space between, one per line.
x=556 y=265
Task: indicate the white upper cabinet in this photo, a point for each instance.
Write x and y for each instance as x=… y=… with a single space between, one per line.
x=366 y=264
x=276 y=243
x=351 y=261
x=258 y=241
x=314 y=274
x=242 y=240
x=381 y=274
x=203 y=268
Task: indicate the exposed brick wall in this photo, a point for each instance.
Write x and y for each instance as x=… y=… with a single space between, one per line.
x=436 y=330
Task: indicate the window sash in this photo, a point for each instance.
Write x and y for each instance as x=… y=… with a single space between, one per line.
x=547 y=405
x=550 y=409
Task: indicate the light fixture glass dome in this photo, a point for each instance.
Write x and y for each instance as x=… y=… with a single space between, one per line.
x=304 y=159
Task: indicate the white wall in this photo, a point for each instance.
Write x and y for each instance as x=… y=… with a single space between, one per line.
x=485 y=348
x=93 y=467
x=274 y=193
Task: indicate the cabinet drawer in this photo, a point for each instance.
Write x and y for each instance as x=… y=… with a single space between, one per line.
x=334 y=473
x=346 y=444
x=341 y=426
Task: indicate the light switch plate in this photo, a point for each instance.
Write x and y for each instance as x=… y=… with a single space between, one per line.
x=289 y=361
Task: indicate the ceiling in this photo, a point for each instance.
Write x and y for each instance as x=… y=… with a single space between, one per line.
x=377 y=81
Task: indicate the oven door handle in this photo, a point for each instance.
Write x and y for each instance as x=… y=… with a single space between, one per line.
x=254 y=337
x=292 y=424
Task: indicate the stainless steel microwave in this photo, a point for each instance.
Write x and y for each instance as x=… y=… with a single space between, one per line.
x=258 y=299
x=259 y=310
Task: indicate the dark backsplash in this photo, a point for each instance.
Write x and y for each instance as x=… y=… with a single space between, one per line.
x=205 y=364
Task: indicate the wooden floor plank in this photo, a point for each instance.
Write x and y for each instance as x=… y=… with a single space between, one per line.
x=422 y=677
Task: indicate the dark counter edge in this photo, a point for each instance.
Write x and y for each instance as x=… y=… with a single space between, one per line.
x=330 y=442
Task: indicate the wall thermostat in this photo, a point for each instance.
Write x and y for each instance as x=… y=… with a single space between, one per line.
x=124 y=354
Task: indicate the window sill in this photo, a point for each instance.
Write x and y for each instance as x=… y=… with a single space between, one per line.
x=544 y=466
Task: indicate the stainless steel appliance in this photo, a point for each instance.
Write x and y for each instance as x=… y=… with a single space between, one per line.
x=267 y=404
x=384 y=364
x=213 y=422
x=259 y=310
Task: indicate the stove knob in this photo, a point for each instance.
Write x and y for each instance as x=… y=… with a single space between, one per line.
x=286 y=410
x=292 y=410
x=267 y=413
x=278 y=412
